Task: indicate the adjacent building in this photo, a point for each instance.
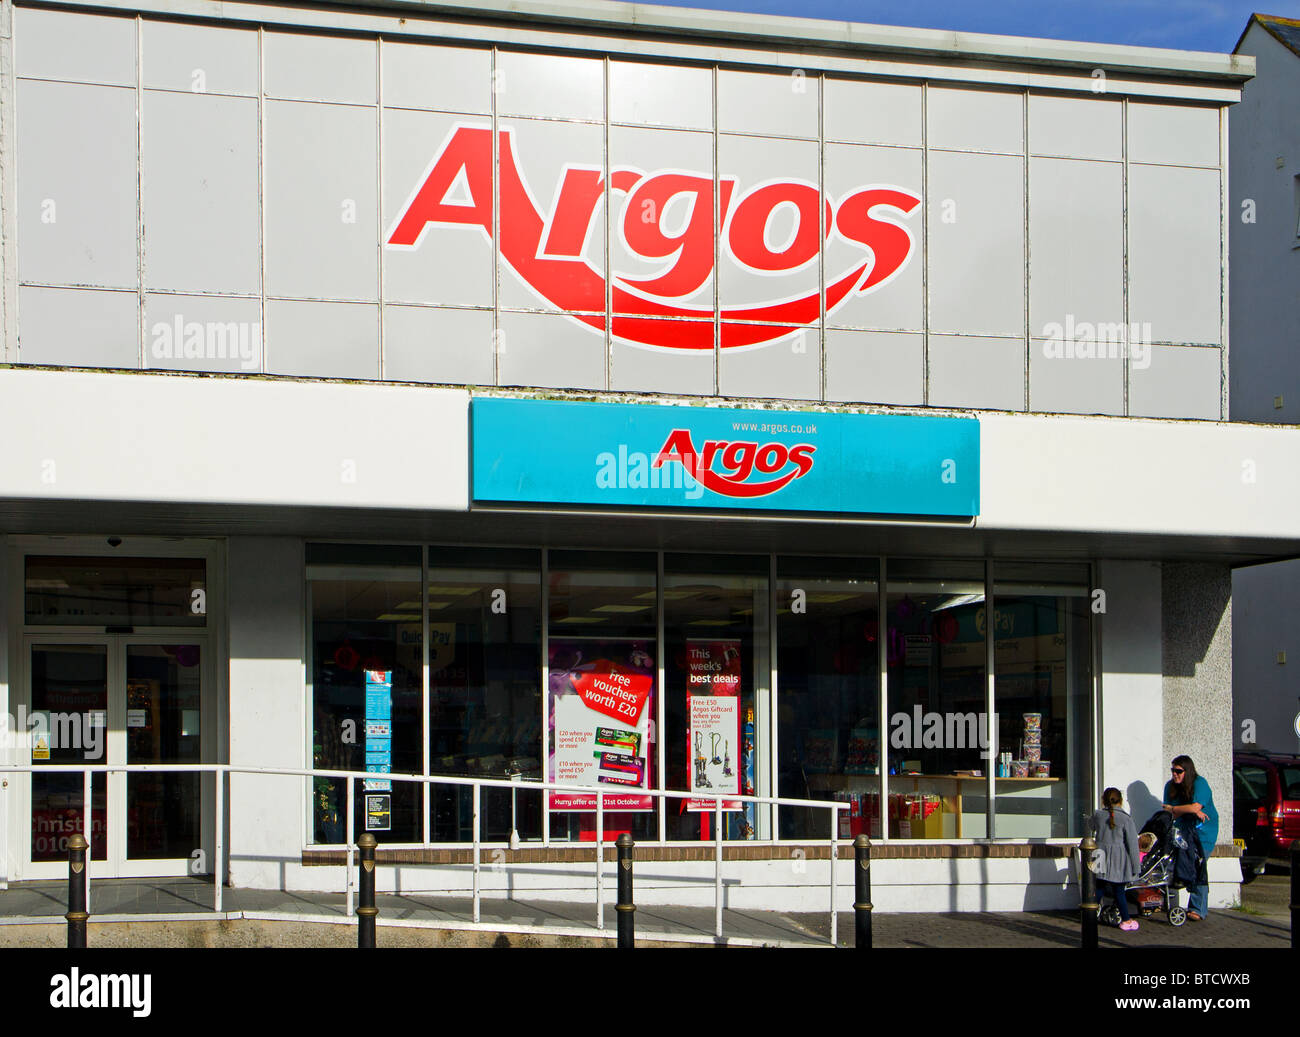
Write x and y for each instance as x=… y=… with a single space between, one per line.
x=1265 y=384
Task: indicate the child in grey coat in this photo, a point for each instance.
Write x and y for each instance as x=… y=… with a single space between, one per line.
x=1117 y=858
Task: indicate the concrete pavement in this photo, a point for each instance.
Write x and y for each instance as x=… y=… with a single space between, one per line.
x=178 y=912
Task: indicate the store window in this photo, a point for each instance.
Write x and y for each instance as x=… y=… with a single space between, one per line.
x=717 y=667
x=632 y=671
x=367 y=681
x=938 y=724
x=111 y=591
x=1042 y=688
x=828 y=692
x=485 y=688
x=602 y=690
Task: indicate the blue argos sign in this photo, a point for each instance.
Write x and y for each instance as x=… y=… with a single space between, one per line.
x=660 y=456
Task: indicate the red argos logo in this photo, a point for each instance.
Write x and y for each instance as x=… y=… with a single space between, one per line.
x=545 y=250
x=727 y=467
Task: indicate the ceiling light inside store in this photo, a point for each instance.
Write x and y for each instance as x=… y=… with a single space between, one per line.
x=454 y=590
x=621 y=608
x=958 y=601
x=580 y=619
x=397 y=617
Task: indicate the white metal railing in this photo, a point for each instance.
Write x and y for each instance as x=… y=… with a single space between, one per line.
x=220 y=770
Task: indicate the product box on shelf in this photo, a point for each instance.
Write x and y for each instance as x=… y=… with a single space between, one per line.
x=915 y=816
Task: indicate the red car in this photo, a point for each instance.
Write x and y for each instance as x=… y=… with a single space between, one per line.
x=1265 y=808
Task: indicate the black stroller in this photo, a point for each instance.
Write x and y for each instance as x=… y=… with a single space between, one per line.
x=1173 y=863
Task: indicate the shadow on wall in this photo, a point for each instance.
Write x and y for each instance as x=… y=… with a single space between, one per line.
x=1195 y=598
x=1142 y=803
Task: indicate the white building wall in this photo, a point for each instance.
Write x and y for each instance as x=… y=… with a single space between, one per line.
x=1131 y=711
x=191 y=440
x=268 y=715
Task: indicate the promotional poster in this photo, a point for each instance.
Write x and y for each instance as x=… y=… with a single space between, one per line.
x=379 y=730
x=600 y=708
x=713 y=700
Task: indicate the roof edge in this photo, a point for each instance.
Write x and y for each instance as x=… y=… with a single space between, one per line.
x=655 y=20
x=1267 y=22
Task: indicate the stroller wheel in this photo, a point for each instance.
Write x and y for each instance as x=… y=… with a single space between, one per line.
x=1177 y=916
x=1110 y=915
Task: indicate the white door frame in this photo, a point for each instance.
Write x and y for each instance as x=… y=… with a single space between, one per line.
x=213 y=678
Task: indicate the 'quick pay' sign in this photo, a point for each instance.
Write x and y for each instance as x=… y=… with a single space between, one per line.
x=635 y=455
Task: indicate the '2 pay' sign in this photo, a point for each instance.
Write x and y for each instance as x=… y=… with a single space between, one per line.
x=545 y=250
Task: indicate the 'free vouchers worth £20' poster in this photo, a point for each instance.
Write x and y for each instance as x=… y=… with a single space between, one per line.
x=601 y=734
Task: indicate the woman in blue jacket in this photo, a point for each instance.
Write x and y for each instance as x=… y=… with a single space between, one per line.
x=1188 y=798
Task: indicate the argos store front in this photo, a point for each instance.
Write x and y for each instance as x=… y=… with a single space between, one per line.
x=641 y=404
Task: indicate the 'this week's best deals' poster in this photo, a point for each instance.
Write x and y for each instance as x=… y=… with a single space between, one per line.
x=601 y=701
x=713 y=698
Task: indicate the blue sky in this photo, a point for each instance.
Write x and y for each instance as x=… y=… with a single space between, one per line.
x=1184 y=24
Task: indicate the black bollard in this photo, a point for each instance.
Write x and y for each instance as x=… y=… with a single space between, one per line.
x=366 y=910
x=1295 y=894
x=625 y=908
x=862 y=892
x=1087 y=894
x=77 y=913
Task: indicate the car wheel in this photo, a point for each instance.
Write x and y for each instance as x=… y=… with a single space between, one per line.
x=1177 y=916
x=1248 y=872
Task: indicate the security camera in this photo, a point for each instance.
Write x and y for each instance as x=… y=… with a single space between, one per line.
x=114 y=541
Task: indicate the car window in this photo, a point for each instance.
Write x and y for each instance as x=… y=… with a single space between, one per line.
x=1251 y=781
x=1290 y=777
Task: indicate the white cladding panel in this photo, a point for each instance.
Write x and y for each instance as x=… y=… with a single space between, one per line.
x=161 y=438
x=200 y=171
x=322 y=232
x=79 y=327
x=660 y=95
x=199 y=59
x=75 y=228
x=276 y=166
x=977 y=244
x=1076 y=224
x=308 y=443
x=203 y=333
x=1174 y=218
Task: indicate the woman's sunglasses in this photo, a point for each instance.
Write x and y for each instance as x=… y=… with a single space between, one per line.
x=1177 y=770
